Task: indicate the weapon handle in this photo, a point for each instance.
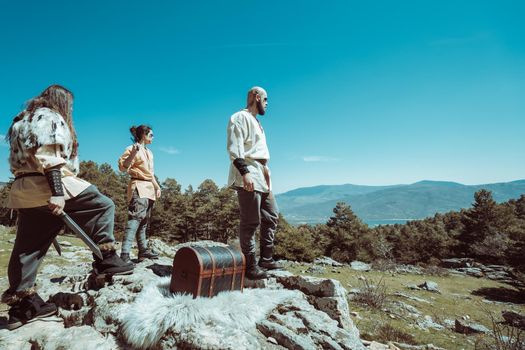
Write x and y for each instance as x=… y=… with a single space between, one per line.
x=81 y=234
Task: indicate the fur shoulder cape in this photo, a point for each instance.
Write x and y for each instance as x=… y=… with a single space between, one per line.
x=43 y=127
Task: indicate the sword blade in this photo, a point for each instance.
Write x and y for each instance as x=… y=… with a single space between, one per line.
x=57 y=247
x=81 y=234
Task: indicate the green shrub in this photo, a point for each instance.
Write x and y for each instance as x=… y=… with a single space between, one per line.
x=297 y=244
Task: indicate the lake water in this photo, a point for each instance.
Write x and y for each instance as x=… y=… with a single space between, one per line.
x=370 y=223
x=373 y=223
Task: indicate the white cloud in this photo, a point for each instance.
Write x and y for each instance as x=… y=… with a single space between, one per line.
x=3 y=143
x=169 y=150
x=319 y=159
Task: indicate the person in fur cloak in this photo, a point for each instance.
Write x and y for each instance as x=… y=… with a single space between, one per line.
x=143 y=190
x=43 y=159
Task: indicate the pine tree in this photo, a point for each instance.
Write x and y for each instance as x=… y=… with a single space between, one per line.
x=486 y=228
x=167 y=217
x=112 y=185
x=479 y=221
x=345 y=230
x=7 y=216
x=520 y=207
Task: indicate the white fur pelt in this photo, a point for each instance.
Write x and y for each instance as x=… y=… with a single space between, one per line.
x=44 y=127
x=225 y=321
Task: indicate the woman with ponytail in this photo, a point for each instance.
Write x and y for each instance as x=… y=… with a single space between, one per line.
x=143 y=190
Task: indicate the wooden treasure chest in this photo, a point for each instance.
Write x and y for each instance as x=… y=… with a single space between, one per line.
x=207 y=271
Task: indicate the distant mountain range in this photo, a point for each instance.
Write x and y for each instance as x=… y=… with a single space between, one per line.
x=383 y=204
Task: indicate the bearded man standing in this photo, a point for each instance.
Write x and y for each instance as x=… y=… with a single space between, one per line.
x=250 y=176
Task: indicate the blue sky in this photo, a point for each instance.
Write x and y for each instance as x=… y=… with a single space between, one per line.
x=371 y=93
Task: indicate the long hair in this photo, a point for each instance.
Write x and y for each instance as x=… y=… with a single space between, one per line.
x=137 y=132
x=57 y=98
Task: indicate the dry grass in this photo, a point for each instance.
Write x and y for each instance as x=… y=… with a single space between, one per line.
x=433 y=270
x=502 y=337
x=372 y=294
x=388 y=333
x=455 y=301
x=384 y=265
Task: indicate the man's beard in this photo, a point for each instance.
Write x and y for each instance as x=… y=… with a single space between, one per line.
x=260 y=108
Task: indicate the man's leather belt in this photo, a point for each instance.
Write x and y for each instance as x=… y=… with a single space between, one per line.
x=27 y=174
x=262 y=161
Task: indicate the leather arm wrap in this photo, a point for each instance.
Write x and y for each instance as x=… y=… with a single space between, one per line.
x=54 y=179
x=240 y=164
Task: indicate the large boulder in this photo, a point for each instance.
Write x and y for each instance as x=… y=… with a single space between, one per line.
x=360 y=266
x=53 y=335
x=296 y=324
x=430 y=286
x=327 y=295
x=283 y=311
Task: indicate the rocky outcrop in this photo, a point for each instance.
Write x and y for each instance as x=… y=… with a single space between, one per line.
x=468 y=266
x=411 y=297
x=327 y=295
x=404 y=308
x=514 y=319
x=297 y=325
x=464 y=327
x=454 y=263
x=360 y=266
x=54 y=335
x=138 y=311
x=429 y=286
x=327 y=261
x=428 y=323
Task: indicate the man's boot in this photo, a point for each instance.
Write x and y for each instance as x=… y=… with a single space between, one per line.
x=270 y=264
x=112 y=264
x=253 y=271
x=266 y=260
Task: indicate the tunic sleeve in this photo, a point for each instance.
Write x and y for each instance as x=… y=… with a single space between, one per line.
x=235 y=138
x=123 y=158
